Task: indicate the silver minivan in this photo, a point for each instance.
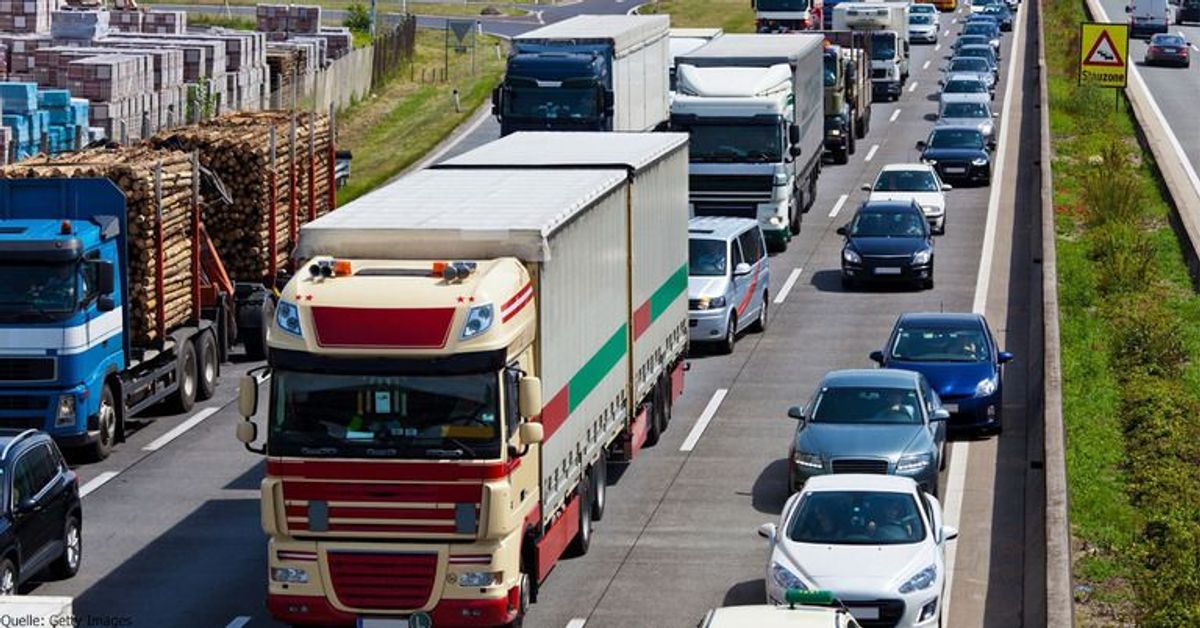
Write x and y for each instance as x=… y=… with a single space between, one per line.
x=728 y=278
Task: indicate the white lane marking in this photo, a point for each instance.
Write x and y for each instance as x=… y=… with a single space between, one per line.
x=954 y=21
x=179 y=430
x=912 y=88
x=946 y=33
x=935 y=49
x=896 y=113
x=926 y=66
x=871 y=153
x=578 y=622
x=960 y=450
x=97 y=482
x=706 y=417
x=238 y=622
x=837 y=207
x=787 y=285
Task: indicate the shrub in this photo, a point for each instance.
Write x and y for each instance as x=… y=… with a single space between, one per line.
x=1112 y=191
x=1124 y=254
x=358 y=18
x=1147 y=337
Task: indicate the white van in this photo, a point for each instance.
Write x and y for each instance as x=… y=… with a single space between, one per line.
x=1148 y=17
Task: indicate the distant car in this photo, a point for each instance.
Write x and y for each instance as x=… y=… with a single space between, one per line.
x=969 y=40
x=964 y=88
x=922 y=28
x=987 y=53
x=977 y=6
x=876 y=542
x=973 y=65
x=925 y=8
x=1004 y=15
x=958 y=154
x=1168 y=50
x=991 y=31
x=728 y=278
x=887 y=241
x=976 y=114
x=796 y=611
x=1187 y=11
x=916 y=182
x=959 y=356
x=41 y=520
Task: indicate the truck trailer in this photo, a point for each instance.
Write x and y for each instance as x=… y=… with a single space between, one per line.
x=587 y=73
x=754 y=107
x=415 y=470
x=847 y=92
x=787 y=16
x=684 y=41
x=887 y=23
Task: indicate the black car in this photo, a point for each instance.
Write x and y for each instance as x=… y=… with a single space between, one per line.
x=1167 y=49
x=959 y=154
x=41 y=524
x=1187 y=11
x=887 y=241
x=1003 y=15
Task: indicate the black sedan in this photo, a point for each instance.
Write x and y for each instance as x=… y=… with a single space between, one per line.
x=1003 y=15
x=959 y=154
x=1167 y=49
x=887 y=241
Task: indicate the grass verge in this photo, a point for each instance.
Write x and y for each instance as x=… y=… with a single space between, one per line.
x=403 y=122
x=735 y=16
x=234 y=21
x=1131 y=357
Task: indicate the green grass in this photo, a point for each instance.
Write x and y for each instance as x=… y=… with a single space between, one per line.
x=735 y=16
x=409 y=117
x=234 y=22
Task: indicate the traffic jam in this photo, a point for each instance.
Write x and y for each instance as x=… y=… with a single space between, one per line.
x=452 y=380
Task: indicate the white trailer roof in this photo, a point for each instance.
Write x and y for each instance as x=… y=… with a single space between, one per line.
x=769 y=49
x=625 y=31
x=702 y=33
x=563 y=149
x=466 y=214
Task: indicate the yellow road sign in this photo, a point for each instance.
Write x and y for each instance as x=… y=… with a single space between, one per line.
x=1103 y=54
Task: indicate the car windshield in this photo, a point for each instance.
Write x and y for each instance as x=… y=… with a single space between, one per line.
x=857 y=518
x=1167 y=40
x=889 y=224
x=922 y=8
x=970 y=40
x=965 y=110
x=883 y=46
x=978 y=28
x=976 y=52
x=38 y=290
x=831 y=68
x=867 y=405
x=965 y=86
x=759 y=143
x=706 y=258
x=551 y=103
x=918 y=344
x=982 y=3
x=969 y=64
x=906 y=181
x=996 y=9
x=956 y=138
x=380 y=416
x=920 y=18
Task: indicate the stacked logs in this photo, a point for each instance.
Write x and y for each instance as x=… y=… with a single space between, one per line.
x=237 y=148
x=135 y=171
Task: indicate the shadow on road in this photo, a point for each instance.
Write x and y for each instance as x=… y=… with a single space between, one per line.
x=771 y=488
x=745 y=593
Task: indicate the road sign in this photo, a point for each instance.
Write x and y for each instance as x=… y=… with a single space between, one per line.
x=1103 y=54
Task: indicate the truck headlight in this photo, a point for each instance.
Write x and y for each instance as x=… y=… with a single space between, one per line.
x=781 y=178
x=287 y=316
x=851 y=257
x=65 y=415
x=293 y=575
x=776 y=221
x=808 y=461
x=985 y=388
x=479 y=320
x=472 y=579
x=921 y=581
x=922 y=257
x=913 y=463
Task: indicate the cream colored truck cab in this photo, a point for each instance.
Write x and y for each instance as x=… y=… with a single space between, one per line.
x=414 y=472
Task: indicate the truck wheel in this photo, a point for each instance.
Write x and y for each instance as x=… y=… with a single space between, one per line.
x=67 y=565
x=208 y=366
x=523 y=601
x=842 y=156
x=186 y=378
x=255 y=338
x=107 y=419
x=654 y=418
x=864 y=125
x=851 y=142
x=599 y=486
x=583 y=539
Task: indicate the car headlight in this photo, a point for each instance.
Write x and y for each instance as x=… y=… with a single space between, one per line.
x=785 y=579
x=933 y=210
x=479 y=320
x=781 y=178
x=835 y=132
x=808 y=461
x=985 y=388
x=979 y=161
x=287 y=316
x=294 y=575
x=921 y=581
x=922 y=257
x=851 y=257
x=472 y=579
x=987 y=128
x=65 y=415
x=914 y=463
x=710 y=303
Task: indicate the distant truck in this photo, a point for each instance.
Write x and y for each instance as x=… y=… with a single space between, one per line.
x=847 y=92
x=787 y=16
x=888 y=24
x=753 y=106
x=469 y=348
x=68 y=362
x=587 y=73
x=1148 y=17
x=685 y=41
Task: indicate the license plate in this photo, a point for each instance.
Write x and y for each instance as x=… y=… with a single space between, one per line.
x=865 y=612
x=887 y=271
x=955 y=170
x=950 y=407
x=383 y=622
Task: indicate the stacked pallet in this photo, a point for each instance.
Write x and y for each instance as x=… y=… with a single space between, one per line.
x=21 y=49
x=339 y=41
x=125 y=21
x=26 y=16
x=289 y=19
x=262 y=217
x=36 y=119
x=143 y=174
x=165 y=22
x=81 y=25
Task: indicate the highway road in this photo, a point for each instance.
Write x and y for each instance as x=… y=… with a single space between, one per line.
x=171 y=521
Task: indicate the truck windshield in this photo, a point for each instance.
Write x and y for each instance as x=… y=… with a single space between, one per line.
x=760 y=143
x=831 y=68
x=552 y=103
x=368 y=416
x=883 y=46
x=38 y=289
x=783 y=5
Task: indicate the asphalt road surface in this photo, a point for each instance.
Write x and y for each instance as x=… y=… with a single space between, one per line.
x=171 y=521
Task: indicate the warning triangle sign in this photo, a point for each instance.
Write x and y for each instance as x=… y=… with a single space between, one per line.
x=1104 y=53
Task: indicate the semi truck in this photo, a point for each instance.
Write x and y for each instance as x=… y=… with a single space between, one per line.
x=847 y=92
x=587 y=73
x=887 y=23
x=753 y=106
x=468 y=351
x=787 y=16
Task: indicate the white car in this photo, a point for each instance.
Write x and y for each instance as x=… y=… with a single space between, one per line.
x=802 y=614
x=877 y=542
x=917 y=182
x=924 y=8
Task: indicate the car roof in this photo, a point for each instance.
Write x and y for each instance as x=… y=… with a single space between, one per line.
x=955 y=320
x=859 y=482
x=770 y=616
x=906 y=167
x=888 y=206
x=12 y=438
x=718 y=227
x=885 y=378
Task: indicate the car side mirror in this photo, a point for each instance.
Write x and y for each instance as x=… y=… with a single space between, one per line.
x=947 y=187
x=105 y=303
x=995 y=114
x=866 y=187
x=941 y=414
x=949 y=533
x=794 y=133
x=105 y=279
x=921 y=145
x=1005 y=357
x=796 y=412
x=768 y=531
x=841 y=231
x=877 y=357
x=795 y=151
x=529 y=396
x=248 y=396
x=1128 y=9
x=27 y=505
x=531 y=433
x=741 y=270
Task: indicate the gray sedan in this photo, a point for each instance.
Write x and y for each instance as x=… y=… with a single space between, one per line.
x=964 y=88
x=973 y=114
x=884 y=421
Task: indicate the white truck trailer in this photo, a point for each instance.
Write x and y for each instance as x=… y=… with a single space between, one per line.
x=754 y=108
x=888 y=24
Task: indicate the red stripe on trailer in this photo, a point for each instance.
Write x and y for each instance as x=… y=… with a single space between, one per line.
x=641 y=320
x=390 y=471
x=556 y=412
x=371 y=527
x=396 y=328
x=677 y=381
x=554 y=542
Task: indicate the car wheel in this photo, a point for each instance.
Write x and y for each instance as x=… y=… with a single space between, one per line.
x=207 y=366
x=8 y=578
x=760 y=325
x=186 y=376
x=730 y=340
x=107 y=420
x=67 y=565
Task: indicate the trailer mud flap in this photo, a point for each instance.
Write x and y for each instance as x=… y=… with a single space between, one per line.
x=677 y=381
x=556 y=539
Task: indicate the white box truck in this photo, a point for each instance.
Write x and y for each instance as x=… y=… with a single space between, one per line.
x=754 y=108
x=888 y=24
x=473 y=342
x=587 y=73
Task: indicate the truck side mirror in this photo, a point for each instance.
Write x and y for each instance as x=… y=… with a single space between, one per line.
x=795 y=151
x=794 y=135
x=529 y=396
x=247 y=432
x=248 y=396
x=105 y=303
x=105 y=278
x=531 y=433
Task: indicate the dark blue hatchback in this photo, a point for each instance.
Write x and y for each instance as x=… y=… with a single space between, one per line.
x=957 y=353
